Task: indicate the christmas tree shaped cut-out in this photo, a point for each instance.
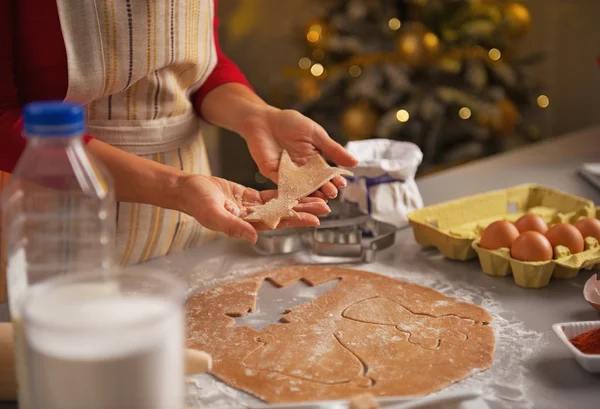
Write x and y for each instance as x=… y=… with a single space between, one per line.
x=295 y=183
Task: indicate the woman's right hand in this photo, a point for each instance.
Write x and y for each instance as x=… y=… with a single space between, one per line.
x=220 y=205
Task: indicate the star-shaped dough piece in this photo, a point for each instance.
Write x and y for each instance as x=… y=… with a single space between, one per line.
x=295 y=183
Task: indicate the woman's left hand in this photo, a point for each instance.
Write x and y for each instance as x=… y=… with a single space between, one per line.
x=273 y=130
x=221 y=205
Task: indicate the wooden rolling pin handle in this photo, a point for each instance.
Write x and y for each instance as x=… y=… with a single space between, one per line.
x=196 y=362
x=8 y=379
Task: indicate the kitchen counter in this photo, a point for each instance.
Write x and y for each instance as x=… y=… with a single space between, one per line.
x=545 y=375
x=555 y=379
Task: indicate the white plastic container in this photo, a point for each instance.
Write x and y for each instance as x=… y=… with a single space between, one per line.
x=569 y=330
x=99 y=342
x=58 y=211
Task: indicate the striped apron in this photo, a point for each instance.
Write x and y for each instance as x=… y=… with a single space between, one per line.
x=134 y=65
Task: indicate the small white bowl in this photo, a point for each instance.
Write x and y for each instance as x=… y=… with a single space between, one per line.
x=569 y=330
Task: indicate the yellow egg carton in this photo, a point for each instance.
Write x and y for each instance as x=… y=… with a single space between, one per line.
x=453 y=226
x=538 y=274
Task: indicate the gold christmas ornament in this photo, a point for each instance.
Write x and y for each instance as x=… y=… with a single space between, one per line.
x=505 y=119
x=517 y=18
x=308 y=88
x=486 y=9
x=317 y=32
x=417 y=45
x=359 y=121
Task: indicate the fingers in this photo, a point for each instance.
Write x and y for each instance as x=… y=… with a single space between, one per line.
x=305 y=220
x=252 y=196
x=312 y=199
x=339 y=182
x=319 y=195
x=224 y=220
x=333 y=150
x=319 y=208
x=329 y=190
x=267 y=195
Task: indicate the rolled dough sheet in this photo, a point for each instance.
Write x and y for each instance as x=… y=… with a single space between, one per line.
x=369 y=334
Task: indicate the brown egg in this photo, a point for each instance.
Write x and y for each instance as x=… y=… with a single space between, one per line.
x=589 y=227
x=531 y=222
x=563 y=234
x=498 y=235
x=531 y=246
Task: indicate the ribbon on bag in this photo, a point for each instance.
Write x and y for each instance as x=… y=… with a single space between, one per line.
x=370 y=182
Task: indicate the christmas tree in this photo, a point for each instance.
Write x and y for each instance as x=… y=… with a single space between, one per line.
x=444 y=74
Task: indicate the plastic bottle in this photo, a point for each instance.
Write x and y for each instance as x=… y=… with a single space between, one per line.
x=58 y=211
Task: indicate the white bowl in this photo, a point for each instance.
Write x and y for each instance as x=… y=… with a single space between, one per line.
x=569 y=330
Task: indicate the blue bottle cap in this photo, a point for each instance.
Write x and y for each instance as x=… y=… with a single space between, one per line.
x=53 y=119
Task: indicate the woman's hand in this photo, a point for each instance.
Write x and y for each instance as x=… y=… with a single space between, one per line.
x=272 y=130
x=220 y=205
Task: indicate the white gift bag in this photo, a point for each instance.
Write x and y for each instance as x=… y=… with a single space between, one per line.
x=384 y=184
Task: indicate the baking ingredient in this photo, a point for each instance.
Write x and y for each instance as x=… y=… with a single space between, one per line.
x=330 y=348
x=499 y=234
x=531 y=246
x=136 y=367
x=295 y=183
x=563 y=234
x=589 y=227
x=588 y=342
x=531 y=222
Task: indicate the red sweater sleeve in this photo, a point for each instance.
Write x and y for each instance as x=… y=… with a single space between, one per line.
x=11 y=141
x=225 y=71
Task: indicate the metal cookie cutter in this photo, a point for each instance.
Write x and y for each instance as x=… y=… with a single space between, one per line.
x=360 y=239
x=285 y=241
x=345 y=233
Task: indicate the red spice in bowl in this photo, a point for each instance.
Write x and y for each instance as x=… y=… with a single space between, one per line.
x=588 y=342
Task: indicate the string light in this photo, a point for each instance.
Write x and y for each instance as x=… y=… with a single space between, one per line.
x=431 y=41
x=304 y=63
x=464 y=113
x=318 y=54
x=314 y=33
x=494 y=54
x=317 y=70
x=394 y=24
x=543 y=101
x=355 y=71
x=402 y=115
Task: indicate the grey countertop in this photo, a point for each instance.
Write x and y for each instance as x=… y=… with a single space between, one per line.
x=556 y=379
x=545 y=375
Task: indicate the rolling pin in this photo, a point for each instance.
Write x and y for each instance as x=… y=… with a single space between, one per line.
x=8 y=378
x=195 y=362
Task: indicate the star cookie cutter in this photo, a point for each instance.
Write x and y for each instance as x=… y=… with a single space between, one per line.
x=346 y=234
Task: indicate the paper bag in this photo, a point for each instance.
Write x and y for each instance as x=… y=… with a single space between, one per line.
x=383 y=185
